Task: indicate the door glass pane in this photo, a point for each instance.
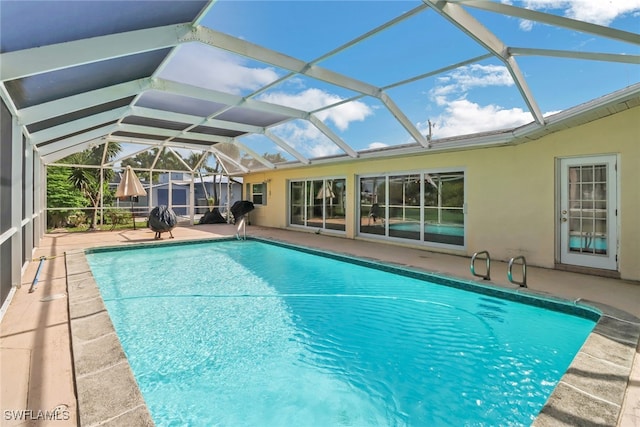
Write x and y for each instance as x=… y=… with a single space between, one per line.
x=334 y=204
x=297 y=203
x=443 y=208
x=404 y=206
x=588 y=209
x=372 y=205
x=315 y=203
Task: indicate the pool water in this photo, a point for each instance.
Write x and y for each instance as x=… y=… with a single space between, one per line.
x=246 y=333
x=447 y=229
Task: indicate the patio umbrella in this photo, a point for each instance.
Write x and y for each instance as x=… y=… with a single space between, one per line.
x=326 y=192
x=130 y=186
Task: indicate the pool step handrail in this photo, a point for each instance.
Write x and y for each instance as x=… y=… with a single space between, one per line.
x=487 y=275
x=242 y=225
x=523 y=283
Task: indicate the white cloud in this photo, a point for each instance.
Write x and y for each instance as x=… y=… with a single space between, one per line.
x=463 y=117
x=312 y=99
x=210 y=68
x=307 y=139
x=525 y=25
x=468 y=77
x=375 y=145
x=601 y=12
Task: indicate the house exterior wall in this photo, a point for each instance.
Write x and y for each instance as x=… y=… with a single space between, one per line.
x=511 y=191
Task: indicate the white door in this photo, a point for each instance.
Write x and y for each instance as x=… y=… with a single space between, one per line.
x=588 y=212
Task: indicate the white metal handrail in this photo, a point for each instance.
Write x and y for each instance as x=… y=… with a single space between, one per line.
x=242 y=225
x=523 y=283
x=487 y=275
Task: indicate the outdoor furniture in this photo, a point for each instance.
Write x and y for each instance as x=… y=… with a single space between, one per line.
x=161 y=220
x=240 y=209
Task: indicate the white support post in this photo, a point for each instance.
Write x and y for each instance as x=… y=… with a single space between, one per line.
x=150 y=191
x=170 y=191
x=192 y=195
x=42 y=169
x=17 y=153
x=28 y=201
x=228 y=198
x=100 y=211
x=39 y=190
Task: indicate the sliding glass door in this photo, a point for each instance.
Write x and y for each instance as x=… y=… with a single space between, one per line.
x=425 y=206
x=318 y=203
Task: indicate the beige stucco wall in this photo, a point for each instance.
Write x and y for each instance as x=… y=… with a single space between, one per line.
x=510 y=190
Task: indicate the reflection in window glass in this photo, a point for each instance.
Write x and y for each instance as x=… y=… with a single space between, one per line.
x=588 y=208
x=297 y=203
x=335 y=197
x=404 y=206
x=315 y=203
x=427 y=206
x=318 y=203
x=258 y=194
x=443 y=208
x=373 y=204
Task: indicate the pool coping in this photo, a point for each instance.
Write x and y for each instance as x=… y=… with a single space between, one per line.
x=591 y=392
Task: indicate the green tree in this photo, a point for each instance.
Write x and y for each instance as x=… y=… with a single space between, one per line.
x=87 y=180
x=169 y=161
x=143 y=162
x=194 y=160
x=229 y=150
x=61 y=194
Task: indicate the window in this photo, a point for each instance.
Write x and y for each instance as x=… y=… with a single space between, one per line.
x=318 y=203
x=426 y=206
x=259 y=193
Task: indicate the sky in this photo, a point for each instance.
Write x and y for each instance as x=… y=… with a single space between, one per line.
x=477 y=97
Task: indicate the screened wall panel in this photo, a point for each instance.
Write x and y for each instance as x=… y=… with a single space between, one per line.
x=6 y=152
x=25 y=181
x=5 y=270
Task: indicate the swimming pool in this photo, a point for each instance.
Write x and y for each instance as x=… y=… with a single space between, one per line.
x=344 y=344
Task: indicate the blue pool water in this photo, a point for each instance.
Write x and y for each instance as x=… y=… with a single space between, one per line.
x=447 y=229
x=245 y=333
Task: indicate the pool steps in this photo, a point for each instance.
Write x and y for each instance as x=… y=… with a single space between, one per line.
x=523 y=283
x=487 y=276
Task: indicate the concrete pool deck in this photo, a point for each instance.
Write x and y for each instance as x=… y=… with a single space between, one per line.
x=41 y=376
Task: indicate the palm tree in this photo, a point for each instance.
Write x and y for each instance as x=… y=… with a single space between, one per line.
x=192 y=161
x=87 y=180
